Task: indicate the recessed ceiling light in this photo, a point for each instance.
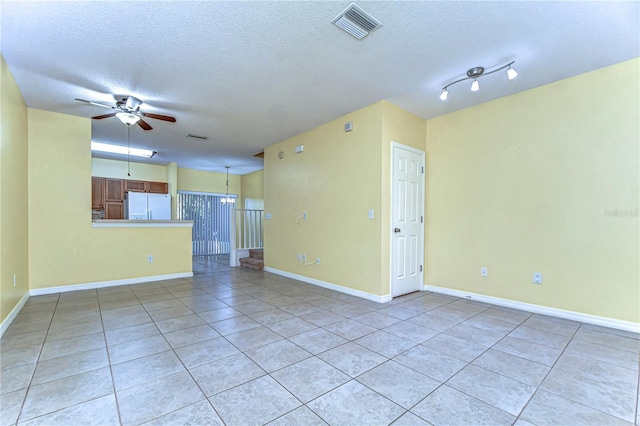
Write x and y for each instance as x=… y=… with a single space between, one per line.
x=124 y=150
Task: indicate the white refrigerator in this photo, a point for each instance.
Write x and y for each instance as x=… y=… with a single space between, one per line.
x=143 y=206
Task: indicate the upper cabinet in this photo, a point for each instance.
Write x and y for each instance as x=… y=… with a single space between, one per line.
x=146 y=186
x=108 y=194
x=157 y=187
x=114 y=190
x=134 y=185
x=97 y=193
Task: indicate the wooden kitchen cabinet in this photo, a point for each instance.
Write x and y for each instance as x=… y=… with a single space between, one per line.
x=97 y=193
x=114 y=210
x=157 y=187
x=114 y=190
x=146 y=186
x=135 y=185
x=108 y=193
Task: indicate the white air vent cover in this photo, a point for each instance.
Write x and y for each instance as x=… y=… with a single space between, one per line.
x=356 y=22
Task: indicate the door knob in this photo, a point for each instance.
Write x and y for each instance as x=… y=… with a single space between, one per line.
x=396 y=230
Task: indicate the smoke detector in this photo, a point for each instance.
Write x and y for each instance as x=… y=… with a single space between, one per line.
x=356 y=22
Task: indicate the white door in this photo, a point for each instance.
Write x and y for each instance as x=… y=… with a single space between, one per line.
x=407 y=220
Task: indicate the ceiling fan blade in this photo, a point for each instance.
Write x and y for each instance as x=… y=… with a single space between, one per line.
x=144 y=124
x=159 y=117
x=100 y=117
x=94 y=103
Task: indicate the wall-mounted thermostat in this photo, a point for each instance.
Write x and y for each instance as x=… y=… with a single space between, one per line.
x=299 y=149
x=348 y=126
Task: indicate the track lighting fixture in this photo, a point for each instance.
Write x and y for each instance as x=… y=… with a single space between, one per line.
x=474 y=74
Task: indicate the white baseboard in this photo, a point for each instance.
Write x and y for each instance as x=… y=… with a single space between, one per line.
x=331 y=286
x=539 y=309
x=102 y=284
x=13 y=314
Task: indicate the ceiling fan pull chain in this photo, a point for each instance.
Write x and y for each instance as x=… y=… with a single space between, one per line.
x=129 y=150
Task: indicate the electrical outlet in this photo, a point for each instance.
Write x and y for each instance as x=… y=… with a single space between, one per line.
x=14 y=280
x=150 y=258
x=484 y=272
x=303 y=256
x=317 y=260
x=537 y=277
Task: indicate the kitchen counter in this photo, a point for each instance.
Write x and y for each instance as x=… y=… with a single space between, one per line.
x=117 y=223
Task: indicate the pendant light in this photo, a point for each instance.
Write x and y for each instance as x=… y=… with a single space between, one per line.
x=227 y=199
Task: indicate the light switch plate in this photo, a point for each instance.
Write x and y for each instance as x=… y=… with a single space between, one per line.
x=371 y=214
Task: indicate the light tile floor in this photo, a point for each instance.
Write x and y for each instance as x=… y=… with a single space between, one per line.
x=239 y=347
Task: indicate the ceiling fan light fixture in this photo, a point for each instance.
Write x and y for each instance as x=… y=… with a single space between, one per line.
x=127 y=118
x=119 y=149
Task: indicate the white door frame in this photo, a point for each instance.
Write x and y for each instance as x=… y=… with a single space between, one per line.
x=422 y=242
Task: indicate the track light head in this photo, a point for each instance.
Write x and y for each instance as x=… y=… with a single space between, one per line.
x=511 y=73
x=444 y=94
x=475 y=86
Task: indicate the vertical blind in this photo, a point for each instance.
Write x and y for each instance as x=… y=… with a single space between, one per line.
x=210 y=221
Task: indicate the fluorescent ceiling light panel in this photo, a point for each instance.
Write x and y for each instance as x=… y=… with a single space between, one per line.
x=118 y=149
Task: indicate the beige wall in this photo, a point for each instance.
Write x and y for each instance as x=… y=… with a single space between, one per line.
x=14 y=232
x=64 y=248
x=120 y=170
x=252 y=186
x=524 y=184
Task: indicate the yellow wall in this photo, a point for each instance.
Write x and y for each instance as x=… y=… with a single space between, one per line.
x=14 y=232
x=172 y=183
x=336 y=180
x=523 y=184
x=252 y=186
x=119 y=169
x=64 y=248
x=403 y=127
x=201 y=181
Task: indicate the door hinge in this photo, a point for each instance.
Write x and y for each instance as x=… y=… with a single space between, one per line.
x=421 y=219
x=422 y=169
x=420 y=268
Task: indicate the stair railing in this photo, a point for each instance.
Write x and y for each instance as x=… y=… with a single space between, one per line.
x=246 y=231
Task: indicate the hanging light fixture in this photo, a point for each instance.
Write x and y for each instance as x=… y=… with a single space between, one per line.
x=227 y=199
x=127 y=118
x=475 y=73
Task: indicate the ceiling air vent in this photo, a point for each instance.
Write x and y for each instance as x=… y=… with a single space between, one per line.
x=191 y=135
x=356 y=22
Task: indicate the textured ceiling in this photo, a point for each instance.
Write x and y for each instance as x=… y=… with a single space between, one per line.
x=250 y=74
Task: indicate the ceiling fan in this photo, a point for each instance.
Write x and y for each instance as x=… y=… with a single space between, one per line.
x=128 y=111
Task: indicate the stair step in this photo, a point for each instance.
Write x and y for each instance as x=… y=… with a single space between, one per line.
x=252 y=263
x=256 y=253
